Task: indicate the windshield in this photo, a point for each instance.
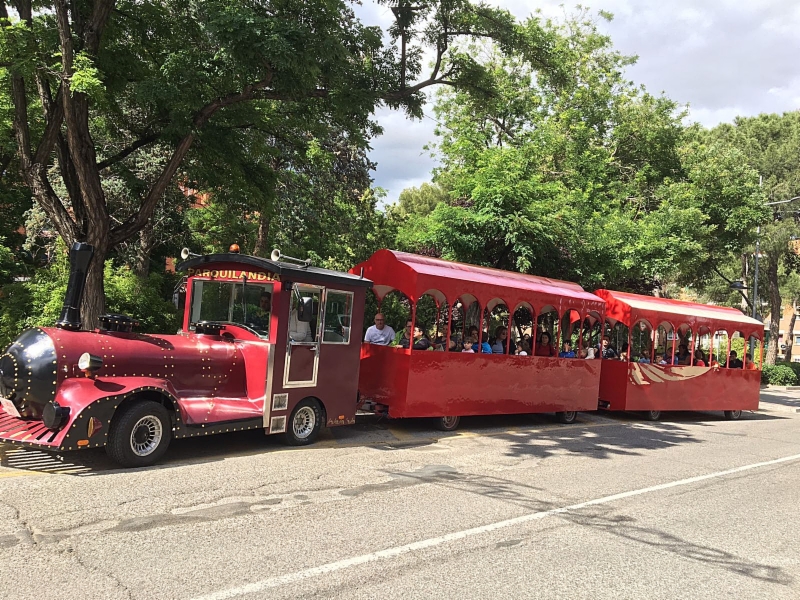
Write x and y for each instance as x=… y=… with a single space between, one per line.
x=243 y=303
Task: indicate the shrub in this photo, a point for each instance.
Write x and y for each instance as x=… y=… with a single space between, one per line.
x=794 y=366
x=779 y=374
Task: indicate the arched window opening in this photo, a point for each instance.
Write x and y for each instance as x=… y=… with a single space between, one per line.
x=546 y=332
x=432 y=312
x=701 y=356
x=522 y=329
x=591 y=336
x=719 y=351
x=665 y=344
x=495 y=318
x=738 y=351
x=467 y=323
x=570 y=334
x=642 y=342
x=683 y=354
x=617 y=334
x=755 y=354
x=396 y=310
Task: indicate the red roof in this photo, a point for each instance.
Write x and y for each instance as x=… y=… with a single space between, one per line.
x=415 y=275
x=630 y=308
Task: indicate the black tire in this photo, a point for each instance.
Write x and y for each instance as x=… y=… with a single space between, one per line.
x=309 y=416
x=567 y=417
x=652 y=415
x=733 y=415
x=140 y=434
x=448 y=423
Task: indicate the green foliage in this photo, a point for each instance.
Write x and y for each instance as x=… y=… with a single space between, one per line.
x=794 y=366
x=779 y=374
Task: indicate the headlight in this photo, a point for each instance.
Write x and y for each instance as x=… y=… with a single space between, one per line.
x=89 y=363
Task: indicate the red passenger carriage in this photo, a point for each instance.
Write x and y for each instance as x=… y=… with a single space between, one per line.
x=653 y=331
x=447 y=384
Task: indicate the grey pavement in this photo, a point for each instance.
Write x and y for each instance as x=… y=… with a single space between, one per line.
x=509 y=507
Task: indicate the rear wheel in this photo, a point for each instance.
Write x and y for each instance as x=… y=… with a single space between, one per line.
x=305 y=423
x=733 y=415
x=653 y=415
x=139 y=434
x=567 y=416
x=447 y=423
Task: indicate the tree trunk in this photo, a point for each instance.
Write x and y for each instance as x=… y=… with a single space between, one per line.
x=141 y=265
x=774 y=309
x=94 y=297
x=790 y=338
x=264 y=220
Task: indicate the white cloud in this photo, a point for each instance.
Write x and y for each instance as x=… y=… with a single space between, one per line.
x=722 y=57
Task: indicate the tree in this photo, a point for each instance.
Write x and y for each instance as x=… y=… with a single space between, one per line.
x=93 y=83
x=591 y=180
x=771 y=145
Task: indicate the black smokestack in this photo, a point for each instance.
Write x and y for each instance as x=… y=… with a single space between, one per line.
x=79 y=257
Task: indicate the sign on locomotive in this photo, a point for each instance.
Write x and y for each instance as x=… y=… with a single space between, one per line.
x=276 y=345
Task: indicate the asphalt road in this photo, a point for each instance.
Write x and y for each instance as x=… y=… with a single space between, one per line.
x=518 y=507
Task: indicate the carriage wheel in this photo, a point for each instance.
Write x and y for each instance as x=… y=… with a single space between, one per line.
x=304 y=424
x=447 y=423
x=733 y=415
x=567 y=416
x=653 y=415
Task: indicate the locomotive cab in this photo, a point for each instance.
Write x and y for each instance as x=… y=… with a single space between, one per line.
x=265 y=343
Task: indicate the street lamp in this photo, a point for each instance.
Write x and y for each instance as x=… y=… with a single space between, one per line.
x=758 y=251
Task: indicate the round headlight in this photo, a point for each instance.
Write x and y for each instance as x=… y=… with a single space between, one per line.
x=89 y=362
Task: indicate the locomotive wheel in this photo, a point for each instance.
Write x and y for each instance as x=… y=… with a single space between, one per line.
x=733 y=415
x=139 y=434
x=447 y=423
x=567 y=416
x=653 y=415
x=304 y=424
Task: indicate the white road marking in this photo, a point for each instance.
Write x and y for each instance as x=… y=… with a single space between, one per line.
x=274 y=582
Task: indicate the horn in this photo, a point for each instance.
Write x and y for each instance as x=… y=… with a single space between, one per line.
x=276 y=256
x=186 y=254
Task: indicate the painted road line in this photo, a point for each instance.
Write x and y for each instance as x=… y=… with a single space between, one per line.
x=388 y=553
x=6 y=475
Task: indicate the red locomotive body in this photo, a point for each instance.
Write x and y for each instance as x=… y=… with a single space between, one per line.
x=265 y=344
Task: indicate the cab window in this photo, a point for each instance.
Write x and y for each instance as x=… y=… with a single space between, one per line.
x=240 y=303
x=338 y=315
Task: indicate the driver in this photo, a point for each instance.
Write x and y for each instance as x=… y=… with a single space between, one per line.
x=260 y=317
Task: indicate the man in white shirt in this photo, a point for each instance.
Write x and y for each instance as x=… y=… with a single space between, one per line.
x=380 y=333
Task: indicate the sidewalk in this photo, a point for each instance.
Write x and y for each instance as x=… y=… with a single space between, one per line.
x=780 y=398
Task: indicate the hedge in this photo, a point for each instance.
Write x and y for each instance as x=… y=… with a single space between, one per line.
x=780 y=374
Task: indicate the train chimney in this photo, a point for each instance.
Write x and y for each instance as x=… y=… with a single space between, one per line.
x=79 y=257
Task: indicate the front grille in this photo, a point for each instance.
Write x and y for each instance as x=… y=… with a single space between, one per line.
x=21 y=430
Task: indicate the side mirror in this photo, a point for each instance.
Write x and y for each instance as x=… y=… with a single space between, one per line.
x=305 y=310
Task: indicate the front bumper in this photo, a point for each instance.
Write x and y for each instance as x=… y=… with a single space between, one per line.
x=27 y=432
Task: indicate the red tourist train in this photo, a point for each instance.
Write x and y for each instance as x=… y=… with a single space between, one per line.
x=275 y=344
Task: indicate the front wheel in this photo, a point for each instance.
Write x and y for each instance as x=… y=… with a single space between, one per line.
x=733 y=415
x=447 y=423
x=567 y=416
x=305 y=423
x=139 y=434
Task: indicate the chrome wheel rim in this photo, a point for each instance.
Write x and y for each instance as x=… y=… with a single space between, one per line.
x=655 y=414
x=735 y=414
x=146 y=435
x=570 y=415
x=303 y=423
x=449 y=422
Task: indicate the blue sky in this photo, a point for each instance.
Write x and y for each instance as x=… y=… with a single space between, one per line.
x=721 y=58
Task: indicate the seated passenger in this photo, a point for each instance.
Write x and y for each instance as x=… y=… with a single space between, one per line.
x=566 y=350
x=299 y=331
x=590 y=354
x=404 y=334
x=380 y=333
x=699 y=358
x=623 y=356
x=421 y=341
x=749 y=364
x=544 y=347
x=260 y=317
x=499 y=343
x=606 y=350
x=683 y=357
x=478 y=346
x=521 y=351
x=734 y=362
x=643 y=359
x=660 y=360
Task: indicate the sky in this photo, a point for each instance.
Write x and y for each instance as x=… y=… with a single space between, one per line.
x=722 y=58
